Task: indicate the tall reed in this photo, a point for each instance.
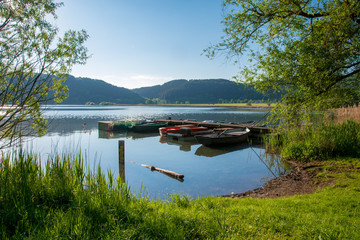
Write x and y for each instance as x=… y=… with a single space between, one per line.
x=348 y=113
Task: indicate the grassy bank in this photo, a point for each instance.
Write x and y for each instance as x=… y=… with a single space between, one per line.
x=66 y=200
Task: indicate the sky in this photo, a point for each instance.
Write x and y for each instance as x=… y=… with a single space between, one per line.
x=137 y=43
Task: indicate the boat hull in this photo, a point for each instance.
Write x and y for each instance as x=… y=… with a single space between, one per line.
x=116 y=125
x=148 y=127
x=184 y=130
x=216 y=139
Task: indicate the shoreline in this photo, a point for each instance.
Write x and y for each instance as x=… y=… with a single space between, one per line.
x=237 y=105
x=300 y=180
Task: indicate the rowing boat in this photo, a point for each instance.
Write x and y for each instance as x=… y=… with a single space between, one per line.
x=189 y=130
x=226 y=137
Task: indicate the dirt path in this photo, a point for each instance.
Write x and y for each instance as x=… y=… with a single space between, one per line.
x=300 y=180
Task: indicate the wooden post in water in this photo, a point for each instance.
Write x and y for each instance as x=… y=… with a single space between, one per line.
x=122 y=160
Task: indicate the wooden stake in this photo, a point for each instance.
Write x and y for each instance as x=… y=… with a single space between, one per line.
x=122 y=160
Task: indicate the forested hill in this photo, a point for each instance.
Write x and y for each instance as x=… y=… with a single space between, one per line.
x=201 y=91
x=85 y=90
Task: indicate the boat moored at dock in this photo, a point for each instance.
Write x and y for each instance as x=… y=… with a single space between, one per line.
x=186 y=130
x=226 y=137
x=147 y=127
x=135 y=126
x=116 y=125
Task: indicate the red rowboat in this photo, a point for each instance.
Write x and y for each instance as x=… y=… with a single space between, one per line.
x=191 y=129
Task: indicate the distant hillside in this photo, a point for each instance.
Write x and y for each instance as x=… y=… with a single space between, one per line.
x=83 y=90
x=201 y=91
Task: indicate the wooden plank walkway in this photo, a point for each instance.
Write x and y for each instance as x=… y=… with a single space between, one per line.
x=255 y=129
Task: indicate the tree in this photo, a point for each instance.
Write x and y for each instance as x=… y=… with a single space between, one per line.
x=308 y=50
x=149 y=101
x=34 y=64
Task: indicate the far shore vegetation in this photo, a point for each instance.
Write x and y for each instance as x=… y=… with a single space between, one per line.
x=254 y=105
x=248 y=104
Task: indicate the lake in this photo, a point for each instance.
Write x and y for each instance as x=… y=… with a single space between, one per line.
x=207 y=171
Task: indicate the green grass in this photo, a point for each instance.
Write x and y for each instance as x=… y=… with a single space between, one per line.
x=64 y=200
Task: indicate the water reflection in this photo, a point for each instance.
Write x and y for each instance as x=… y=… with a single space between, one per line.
x=184 y=143
x=125 y=134
x=212 y=152
x=276 y=166
x=111 y=134
x=135 y=135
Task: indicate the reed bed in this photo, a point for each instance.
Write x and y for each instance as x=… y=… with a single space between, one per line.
x=348 y=113
x=325 y=136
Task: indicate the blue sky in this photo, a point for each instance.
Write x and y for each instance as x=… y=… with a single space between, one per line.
x=136 y=43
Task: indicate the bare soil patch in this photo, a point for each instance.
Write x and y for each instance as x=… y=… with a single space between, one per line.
x=301 y=179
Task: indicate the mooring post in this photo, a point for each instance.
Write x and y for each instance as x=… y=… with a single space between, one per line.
x=122 y=160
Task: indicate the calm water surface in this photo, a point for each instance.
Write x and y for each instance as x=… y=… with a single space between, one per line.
x=208 y=171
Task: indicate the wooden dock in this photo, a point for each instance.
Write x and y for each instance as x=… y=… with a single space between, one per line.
x=255 y=129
